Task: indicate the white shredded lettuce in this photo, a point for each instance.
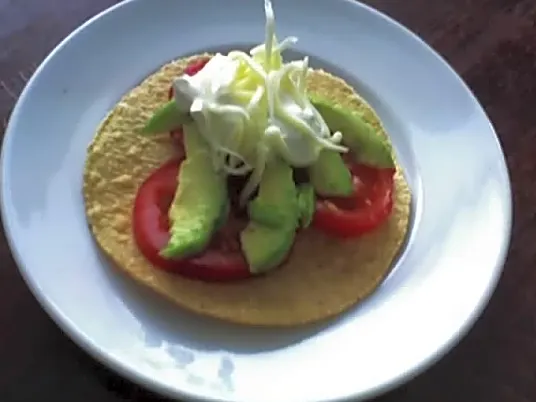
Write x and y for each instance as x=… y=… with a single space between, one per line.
x=254 y=107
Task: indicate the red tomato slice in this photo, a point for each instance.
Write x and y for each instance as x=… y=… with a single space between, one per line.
x=194 y=67
x=369 y=206
x=221 y=261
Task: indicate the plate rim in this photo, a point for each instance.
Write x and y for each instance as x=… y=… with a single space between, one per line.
x=102 y=356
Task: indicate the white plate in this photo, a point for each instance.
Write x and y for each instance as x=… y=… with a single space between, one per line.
x=461 y=215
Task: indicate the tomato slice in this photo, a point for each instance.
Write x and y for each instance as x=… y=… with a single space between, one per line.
x=369 y=206
x=221 y=261
x=195 y=66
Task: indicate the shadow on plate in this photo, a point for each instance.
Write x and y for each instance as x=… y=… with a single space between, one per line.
x=166 y=323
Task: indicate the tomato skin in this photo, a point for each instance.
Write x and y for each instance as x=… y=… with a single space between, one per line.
x=195 y=66
x=369 y=207
x=151 y=233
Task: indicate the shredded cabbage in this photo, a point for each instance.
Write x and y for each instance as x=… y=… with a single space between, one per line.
x=254 y=107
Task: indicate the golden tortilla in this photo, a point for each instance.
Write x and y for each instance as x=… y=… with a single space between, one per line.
x=322 y=278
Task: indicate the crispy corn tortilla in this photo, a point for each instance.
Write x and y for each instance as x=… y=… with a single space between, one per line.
x=323 y=276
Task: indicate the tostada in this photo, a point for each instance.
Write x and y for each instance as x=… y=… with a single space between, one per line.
x=248 y=188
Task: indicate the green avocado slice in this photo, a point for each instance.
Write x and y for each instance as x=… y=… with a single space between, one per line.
x=265 y=247
x=368 y=147
x=276 y=204
x=306 y=204
x=193 y=140
x=274 y=216
x=266 y=214
x=330 y=176
x=200 y=204
x=166 y=118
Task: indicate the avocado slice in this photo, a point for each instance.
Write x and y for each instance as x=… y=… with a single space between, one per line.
x=200 y=204
x=276 y=204
x=330 y=176
x=274 y=217
x=306 y=204
x=193 y=140
x=357 y=134
x=267 y=214
x=265 y=247
x=166 y=118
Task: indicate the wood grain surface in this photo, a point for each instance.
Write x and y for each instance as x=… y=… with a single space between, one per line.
x=491 y=43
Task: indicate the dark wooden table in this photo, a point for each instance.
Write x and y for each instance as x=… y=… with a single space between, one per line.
x=491 y=43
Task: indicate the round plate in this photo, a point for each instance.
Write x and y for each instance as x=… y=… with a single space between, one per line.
x=460 y=220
